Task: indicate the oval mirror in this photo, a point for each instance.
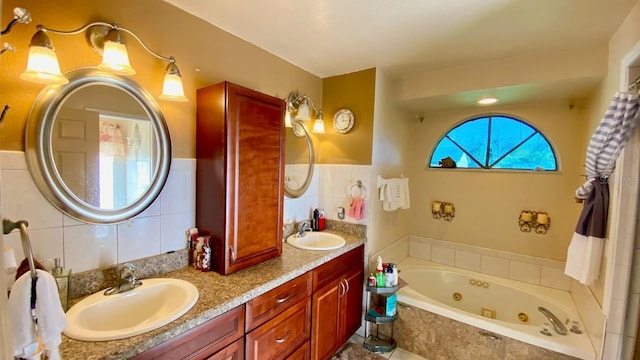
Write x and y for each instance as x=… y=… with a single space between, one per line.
x=299 y=155
x=98 y=148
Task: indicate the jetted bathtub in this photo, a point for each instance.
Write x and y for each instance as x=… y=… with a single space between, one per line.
x=501 y=306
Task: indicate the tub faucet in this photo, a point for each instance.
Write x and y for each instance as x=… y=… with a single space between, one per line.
x=126 y=280
x=558 y=326
x=303 y=227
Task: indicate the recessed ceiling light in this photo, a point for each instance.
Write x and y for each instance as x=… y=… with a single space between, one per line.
x=488 y=101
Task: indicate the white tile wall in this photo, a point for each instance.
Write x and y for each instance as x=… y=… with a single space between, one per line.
x=442 y=255
x=525 y=272
x=467 y=260
x=539 y=271
x=332 y=187
x=158 y=229
x=592 y=316
x=493 y=265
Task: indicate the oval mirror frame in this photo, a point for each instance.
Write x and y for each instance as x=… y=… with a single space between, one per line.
x=39 y=151
x=295 y=193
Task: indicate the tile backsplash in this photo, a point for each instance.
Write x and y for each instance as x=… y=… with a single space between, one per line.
x=332 y=186
x=81 y=246
x=158 y=229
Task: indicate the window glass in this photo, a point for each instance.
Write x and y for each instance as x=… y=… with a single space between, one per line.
x=495 y=142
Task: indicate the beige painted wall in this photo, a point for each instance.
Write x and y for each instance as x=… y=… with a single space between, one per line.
x=217 y=56
x=356 y=92
x=488 y=203
x=390 y=155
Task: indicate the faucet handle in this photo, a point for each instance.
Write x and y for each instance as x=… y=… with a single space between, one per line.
x=127 y=270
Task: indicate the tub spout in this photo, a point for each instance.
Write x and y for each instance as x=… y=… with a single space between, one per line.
x=558 y=326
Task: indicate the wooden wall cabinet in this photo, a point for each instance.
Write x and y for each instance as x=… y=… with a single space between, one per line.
x=239 y=175
x=336 y=303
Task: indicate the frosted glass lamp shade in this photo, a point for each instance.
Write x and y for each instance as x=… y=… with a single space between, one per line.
x=115 y=57
x=43 y=67
x=172 y=88
x=287 y=119
x=318 y=126
x=303 y=112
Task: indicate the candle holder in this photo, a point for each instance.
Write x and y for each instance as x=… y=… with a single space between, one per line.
x=538 y=221
x=443 y=210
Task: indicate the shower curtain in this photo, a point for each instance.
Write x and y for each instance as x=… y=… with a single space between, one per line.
x=585 y=250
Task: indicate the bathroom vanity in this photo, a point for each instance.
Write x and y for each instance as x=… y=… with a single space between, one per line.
x=264 y=310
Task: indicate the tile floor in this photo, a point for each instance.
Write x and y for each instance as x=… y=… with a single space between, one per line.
x=397 y=354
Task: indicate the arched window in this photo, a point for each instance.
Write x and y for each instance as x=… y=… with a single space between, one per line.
x=495 y=142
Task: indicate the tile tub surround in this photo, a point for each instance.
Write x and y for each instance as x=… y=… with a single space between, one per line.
x=218 y=294
x=529 y=269
x=437 y=337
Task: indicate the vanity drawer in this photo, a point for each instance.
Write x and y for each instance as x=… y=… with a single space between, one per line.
x=235 y=351
x=327 y=272
x=282 y=335
x=266 y=306
x=203 y=341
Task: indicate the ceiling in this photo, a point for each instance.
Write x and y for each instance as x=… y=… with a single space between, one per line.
x=334 y=37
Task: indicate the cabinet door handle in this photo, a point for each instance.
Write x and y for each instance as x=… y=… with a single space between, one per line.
x=233 y=253
x=283 y=299
x=284 y=338
x=343 y=289
x=346 y=283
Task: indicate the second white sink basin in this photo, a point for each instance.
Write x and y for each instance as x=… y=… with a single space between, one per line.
x=317 y=241
x=155 y=303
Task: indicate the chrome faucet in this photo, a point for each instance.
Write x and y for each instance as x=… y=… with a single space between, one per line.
x=303 y=227
x=558 y=326
x=126 y=280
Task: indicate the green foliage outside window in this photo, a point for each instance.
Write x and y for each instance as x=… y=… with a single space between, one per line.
x=495 y=142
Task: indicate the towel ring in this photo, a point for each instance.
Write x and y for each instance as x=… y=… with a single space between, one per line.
x=360 y=187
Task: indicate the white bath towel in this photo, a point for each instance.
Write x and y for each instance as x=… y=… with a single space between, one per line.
x=51 y=318
x=395 y=194
x=583 y=258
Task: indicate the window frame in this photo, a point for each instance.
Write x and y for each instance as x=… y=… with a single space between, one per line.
x=488 y=166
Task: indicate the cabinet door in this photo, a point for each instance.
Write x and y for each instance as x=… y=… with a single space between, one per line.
x=255 y=169
x=302 y=353
x=239 y=174
x=351 y=305
x=325 y=320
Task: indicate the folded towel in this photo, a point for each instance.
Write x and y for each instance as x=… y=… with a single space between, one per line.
x=356 y=208
x=51 y=318
x=395 y=194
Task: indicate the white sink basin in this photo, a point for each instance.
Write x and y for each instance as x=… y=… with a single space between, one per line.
x=317 y=241
x=155 y=303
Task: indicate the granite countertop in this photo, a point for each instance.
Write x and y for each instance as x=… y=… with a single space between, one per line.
x=218 y=294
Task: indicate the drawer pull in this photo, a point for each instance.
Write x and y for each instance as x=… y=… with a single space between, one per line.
x=284 y=338
x=283 y=299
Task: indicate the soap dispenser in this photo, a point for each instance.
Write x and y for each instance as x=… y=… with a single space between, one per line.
x=62 y=279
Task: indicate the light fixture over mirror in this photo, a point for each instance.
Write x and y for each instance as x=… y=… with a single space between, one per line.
x=302 y=106
x=107 y=40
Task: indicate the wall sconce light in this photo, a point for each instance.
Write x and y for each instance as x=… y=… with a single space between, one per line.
x=539 y=221
x=106 y=39
x=20 y=16
x=443 y=210
x=302 y=106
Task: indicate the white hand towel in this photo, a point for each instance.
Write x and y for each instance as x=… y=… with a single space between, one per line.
x=397 y=194
x=583 y=258
x=51 y=318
